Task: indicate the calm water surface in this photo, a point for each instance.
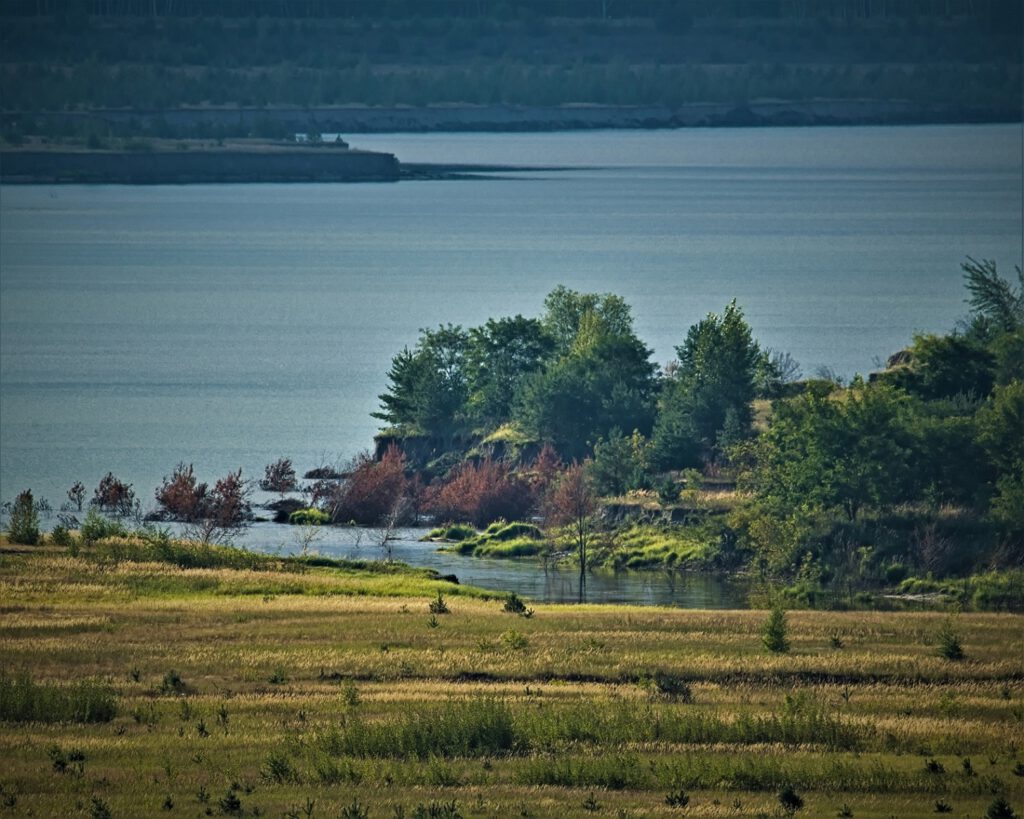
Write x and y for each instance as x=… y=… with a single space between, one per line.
x=227 y=325
x=522 y=576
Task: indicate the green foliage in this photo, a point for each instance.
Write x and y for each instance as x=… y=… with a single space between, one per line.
x=605 y=382
x=501 y=355
x=436 y=810
x=950 y=646
x=488 y=727
x=429 y=385
x=790 y=800
x=774 y=632
x=96 y=527
x=514 y=604
x=944 y=367
x=847 y=452
x=23 y=525
x=993 y=299
x=567 y=312
x=621 y=463
x=479 y=727
x=23 y=700
x=455 y=533
x=60 y=536
x=1000 y=427
x=1000 y=809
x=438 y=605
x=708 y=404
x=309 y=517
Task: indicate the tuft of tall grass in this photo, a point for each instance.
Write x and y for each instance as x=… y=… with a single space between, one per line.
x=23 y=700
x=458 y=729
x=474 y=728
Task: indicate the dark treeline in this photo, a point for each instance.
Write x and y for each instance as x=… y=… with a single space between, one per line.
x=146 y=55
x=988 y=10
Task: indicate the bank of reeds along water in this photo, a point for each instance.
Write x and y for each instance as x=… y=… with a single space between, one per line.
x=137 y=682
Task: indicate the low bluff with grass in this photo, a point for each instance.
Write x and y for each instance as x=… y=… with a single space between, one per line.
x=150 y=679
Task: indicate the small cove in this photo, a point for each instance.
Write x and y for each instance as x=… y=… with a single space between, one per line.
x=524 y=576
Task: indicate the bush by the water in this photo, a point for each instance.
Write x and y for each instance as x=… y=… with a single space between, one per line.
x=309 y=517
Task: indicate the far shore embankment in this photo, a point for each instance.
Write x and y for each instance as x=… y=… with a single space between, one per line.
x=322 y=164
x=354 y=119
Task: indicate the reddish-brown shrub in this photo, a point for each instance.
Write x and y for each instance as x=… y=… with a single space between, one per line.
x=372 y=490
x=481 y=493
x=279 y=477
x=545 y=470
x=181 y=497
x=208 y=515
x=114 y=496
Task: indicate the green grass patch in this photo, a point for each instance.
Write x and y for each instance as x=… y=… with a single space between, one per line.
x=23 y=700
x=646 y=546
x=502 y=539
x=454 y=533
x=309 y=517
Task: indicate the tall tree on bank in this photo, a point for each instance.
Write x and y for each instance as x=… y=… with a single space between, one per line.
x=708 y=403
x=500 y=356
x=604 y=380
x=429 y=387
x=572 y=504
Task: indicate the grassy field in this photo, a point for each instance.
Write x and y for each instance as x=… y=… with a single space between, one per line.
x=134 y=687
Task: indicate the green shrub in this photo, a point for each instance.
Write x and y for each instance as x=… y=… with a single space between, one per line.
x=23 y=526
x=514 y=605
x=173 y=683
x=949 y=642
x=790 y=800
x=60 y=536
x=513 y=531
x=1000 y=809
x=774 y=632
x=438 y=605
x=436 y=810
x=309 y=517
x=22 y=700
x=96 y=527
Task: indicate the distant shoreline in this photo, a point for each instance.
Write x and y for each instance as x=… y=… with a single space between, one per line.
x=356 y=119
x=206 y=165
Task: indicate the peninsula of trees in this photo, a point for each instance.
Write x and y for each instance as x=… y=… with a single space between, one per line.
x=918 y=470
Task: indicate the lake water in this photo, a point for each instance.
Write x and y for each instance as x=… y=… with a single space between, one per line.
x=525 y=577
x=227 y=325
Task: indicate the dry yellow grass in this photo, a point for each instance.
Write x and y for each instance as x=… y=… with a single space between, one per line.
x=290 y=670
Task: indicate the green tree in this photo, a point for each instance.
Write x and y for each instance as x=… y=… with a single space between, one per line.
x=593 y=389
x=995 y=302
x=845 y=451
x=945 y=366
x=23 y=526
x=620 y=462
x=719 y=363
x=774 y=633
x=565 y=310
x=1000 y=426
x=429 y=387
x=499 y=357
